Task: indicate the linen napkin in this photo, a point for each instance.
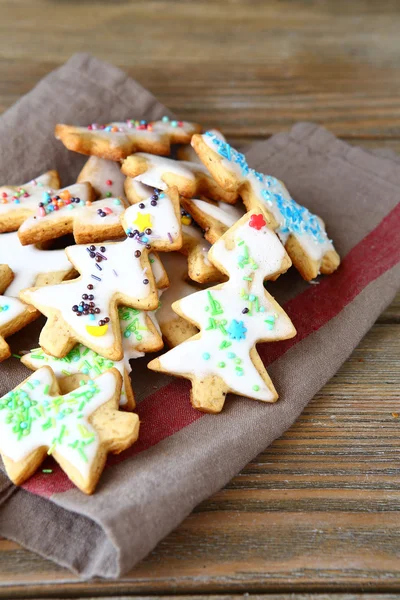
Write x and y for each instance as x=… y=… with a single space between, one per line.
x=184 y=456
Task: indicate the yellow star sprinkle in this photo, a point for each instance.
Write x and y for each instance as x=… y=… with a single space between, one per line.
x=143 y=221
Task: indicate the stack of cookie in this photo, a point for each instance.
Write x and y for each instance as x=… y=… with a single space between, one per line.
x=222 y=228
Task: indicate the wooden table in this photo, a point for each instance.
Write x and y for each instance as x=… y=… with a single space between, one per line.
x=320 y=509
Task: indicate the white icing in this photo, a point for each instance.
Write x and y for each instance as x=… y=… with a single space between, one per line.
x=104 y=176
x=67 y=212
x=35 y=190
x=135 y=332
x=224 y=213
x=27 y=262
x=127 y=132
x=260 y=253
x=88 y=215
x=80 y=360
x=10 y=309
x=157 y=267
x=292 y=219
x=46 y=426
x=158 y=166
x=139 y=190
x=120 y=273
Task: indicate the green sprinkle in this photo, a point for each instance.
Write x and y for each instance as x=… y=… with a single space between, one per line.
x=16 y=356
x=83 y=455
x=256 y=388
x=47 y=471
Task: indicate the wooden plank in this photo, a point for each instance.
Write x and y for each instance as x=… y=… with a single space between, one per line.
x=246 y=596
x=318 y=510
x=252 y=70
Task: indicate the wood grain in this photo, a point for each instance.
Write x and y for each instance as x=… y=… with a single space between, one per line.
x=318 y=511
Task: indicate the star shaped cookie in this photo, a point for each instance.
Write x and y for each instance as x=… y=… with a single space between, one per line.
x=78 y=429
x=117 y=140
x=14 y=314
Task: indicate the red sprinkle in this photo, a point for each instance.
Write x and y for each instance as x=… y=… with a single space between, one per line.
x=257 y=221
x=108 y=182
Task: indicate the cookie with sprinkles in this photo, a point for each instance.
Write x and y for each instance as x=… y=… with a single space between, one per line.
x=194 y=246
x=215 y=218
x=85 y=310
x=140 y=334
x=18 y=202
x=105 y=177
x=77 y=429
x=302 y=232
x=32 y=265
x=233 y=317
x=14 y=314
x=118 y=140
x=191 y=179
x=64 y=214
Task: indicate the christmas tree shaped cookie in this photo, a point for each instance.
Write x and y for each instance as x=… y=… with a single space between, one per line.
x=117 y=140
x=31 y=265
x=14 y=314
x=140 y=334
x=17 y=203
x=302 y=233
x=233 y=317
x=78 y=429
x=112 y=274
x=64 y=214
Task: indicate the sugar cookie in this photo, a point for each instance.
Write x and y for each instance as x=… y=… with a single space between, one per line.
x=78 y=429
x=233 y=317
x=302 y=233
x=119 y=139
x=188 y=153
x=140 y=334
x=112 y=274
x=214 y=217
x=174 y=329
x=17 y=203
x=159 y=172
x=77 y=215
x=31 y=265
x=196 y=248
x=104 y=176
x=14 y=314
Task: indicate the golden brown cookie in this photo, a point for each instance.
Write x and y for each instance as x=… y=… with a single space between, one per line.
x=232 y=317
x=191 y=179
x=91 y=426
x=14 y=314
x=302 y=233
x=117 y=140
x=112 y=274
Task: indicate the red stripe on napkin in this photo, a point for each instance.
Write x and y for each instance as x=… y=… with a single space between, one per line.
x=168 y=410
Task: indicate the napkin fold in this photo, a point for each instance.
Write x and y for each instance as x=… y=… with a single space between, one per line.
x=184 y=456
